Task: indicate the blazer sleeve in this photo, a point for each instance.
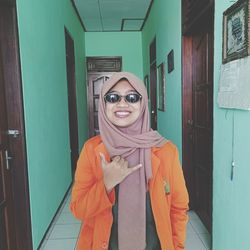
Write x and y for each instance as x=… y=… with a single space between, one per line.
x=89 y=196
x=179 y=204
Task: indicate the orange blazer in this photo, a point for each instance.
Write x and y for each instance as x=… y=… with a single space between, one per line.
x=91 y=203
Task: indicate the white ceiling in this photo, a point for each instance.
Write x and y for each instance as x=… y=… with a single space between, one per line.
x=112 y=15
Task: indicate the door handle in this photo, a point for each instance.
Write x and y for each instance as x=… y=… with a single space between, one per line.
x=7 y=159
x=190 y=122
x=13 y=132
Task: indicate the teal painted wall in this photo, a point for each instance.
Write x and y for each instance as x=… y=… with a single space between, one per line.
x=42 y=49
x=41 y=32
x=125 y=44
x=231 y=199
x=164 y=22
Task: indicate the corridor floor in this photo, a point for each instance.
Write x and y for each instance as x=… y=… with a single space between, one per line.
x=64 y=232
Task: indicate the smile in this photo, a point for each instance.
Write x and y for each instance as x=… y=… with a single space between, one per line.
x=122 y=114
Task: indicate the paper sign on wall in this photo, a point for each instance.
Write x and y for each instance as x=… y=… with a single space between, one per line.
x=234 y=85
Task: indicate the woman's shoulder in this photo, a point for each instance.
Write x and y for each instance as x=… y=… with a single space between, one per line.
x=92 y=142
x=167 y=148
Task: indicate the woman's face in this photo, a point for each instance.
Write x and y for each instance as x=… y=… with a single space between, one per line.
x=122 y=113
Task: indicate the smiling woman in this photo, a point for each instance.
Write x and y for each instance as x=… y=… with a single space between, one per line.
x=122 y=111
x=129 y=187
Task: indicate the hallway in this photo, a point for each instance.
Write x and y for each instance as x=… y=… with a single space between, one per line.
x=64 y=231
x=49 y=97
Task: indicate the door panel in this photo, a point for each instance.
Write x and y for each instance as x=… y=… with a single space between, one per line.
x=187 y=119
x=95 y=82
x=203 y=195
x=6 y=202
x=203 y=132
x=198 y=116
x=201 y=115
x=203 y=149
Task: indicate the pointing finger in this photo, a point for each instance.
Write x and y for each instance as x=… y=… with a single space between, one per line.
x=135 y=168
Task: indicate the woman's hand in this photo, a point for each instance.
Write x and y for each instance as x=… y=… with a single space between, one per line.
x=116 y=171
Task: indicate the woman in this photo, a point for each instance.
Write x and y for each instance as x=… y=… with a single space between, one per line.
x=129 y=189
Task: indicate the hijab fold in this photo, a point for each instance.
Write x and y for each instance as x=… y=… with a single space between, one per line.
x=134 y=144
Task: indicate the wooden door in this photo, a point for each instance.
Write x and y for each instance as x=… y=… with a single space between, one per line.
x=100 y=69
x=72 y=107
x=203 y=123
x=95 y=82
x=153 y=84
x=6 y=200
x=198 y=116
x=12 y=132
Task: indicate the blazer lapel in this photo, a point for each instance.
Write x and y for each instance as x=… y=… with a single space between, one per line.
x=155 y=166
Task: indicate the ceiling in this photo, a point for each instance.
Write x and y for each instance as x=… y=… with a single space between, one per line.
x=112 y=15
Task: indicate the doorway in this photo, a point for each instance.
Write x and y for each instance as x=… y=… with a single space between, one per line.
x=15 y=219
x=100 y=69
x=72 y=106
x=153 y=84
x=197 y=117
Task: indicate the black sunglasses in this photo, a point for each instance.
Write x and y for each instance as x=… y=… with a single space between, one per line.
x=131 y=97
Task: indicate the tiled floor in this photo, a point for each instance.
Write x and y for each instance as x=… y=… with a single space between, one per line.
x=64 y=232
x=198 y=237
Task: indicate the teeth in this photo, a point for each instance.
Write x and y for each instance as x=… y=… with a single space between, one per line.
x=122 y=113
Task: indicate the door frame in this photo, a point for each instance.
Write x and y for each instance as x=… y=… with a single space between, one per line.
x=72 y=99
x=9 y=43
x=153 y=83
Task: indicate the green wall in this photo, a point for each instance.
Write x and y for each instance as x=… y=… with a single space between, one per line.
x=42 y=49
x=164 y=22
x=231 y=199
x=125 y=44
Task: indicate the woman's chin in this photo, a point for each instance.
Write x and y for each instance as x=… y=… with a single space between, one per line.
x=123 y=123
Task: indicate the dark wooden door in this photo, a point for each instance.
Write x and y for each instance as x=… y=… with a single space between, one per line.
x=198 y=117
x=203 y=123
x=100 y=69
x=72 y=107
x=6 y=199
x=153 y=84
x=95 y=82
x=12 y=134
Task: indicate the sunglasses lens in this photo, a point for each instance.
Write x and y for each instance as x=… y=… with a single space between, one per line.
x=112 y=98
x=133 y=97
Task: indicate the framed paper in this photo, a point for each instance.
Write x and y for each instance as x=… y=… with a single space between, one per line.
x=171 y=61
x=161 y=86
x=236 y=33
x=146 y=82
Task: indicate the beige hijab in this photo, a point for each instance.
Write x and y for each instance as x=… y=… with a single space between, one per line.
x=133 y=143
